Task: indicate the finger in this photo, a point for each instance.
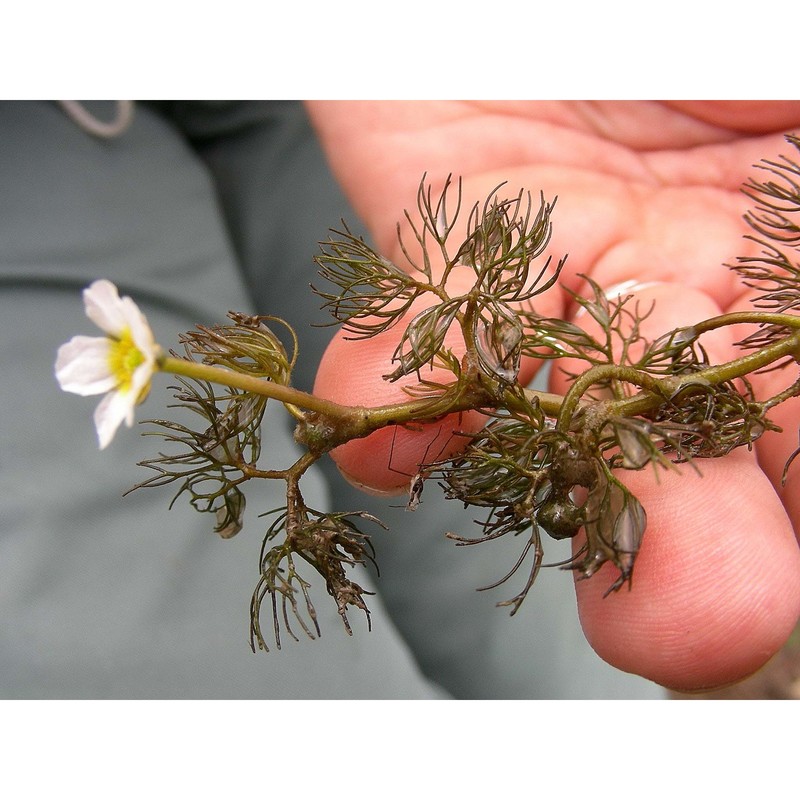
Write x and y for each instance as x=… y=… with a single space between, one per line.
x=352 y=372
x=774 y=452
x=757 y=116
x=715 y=587
x=775 y=448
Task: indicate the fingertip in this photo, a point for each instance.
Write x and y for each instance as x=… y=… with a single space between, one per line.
x=715 y=591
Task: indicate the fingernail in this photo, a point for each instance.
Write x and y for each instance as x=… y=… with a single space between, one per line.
x=619 y=289
x=629 y=287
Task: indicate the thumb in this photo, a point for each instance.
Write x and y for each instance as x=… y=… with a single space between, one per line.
x=352 y=372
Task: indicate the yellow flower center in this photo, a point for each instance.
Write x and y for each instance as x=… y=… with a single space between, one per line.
x=123 y=359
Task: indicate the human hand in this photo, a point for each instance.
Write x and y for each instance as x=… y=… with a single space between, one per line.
x=648 y=193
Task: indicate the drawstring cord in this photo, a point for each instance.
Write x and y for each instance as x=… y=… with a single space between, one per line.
x=89 y=123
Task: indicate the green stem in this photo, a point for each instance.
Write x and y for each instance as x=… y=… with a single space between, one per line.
x=601 y=372
x=730 y=370
x=250 y=383
x=359 y=421
x=356 y=421
x=738 y=317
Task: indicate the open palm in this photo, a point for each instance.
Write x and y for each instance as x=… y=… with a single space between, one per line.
x=648 y=197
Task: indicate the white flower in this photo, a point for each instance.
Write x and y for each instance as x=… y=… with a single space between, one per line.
x=120 y=364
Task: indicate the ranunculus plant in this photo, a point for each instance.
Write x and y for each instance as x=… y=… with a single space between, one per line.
x=463 y=314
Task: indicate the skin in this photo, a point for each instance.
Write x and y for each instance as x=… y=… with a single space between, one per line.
x=647 y=192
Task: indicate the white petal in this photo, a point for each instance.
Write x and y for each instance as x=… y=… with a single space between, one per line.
x=142 y=376
x=113 y=409
x=105 y=308
x=82 y=366
x=140 y=330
